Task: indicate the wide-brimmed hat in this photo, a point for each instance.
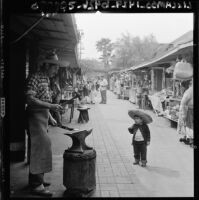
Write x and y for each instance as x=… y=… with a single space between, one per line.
x=52 y=58
x=145 y=117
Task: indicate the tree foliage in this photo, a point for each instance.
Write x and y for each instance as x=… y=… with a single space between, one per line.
x=89 y=65
x=130 y=51
x=105 y=46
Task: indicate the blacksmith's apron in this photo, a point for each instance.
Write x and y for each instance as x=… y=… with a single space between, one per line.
x=40 y=153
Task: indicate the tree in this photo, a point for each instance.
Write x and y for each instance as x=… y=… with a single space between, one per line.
x=89 y=65
x=91 y=68
x=130 y=51
x=123 y=51
x=105 y=46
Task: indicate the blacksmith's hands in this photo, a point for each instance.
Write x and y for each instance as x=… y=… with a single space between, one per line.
x=56 y=107
x=53 y=121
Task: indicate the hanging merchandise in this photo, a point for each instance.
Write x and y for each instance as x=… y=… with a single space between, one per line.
x=170 y=69
x=67 y=76
x=183 y=70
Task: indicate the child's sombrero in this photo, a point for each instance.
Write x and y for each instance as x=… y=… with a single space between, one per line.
x=145 y=117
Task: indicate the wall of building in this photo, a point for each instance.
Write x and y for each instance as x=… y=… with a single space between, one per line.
x=16 y=100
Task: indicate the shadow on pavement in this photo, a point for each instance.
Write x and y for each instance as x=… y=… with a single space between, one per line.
x=163 y=171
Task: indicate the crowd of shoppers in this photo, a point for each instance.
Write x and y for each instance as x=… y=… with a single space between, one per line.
x=90 y=89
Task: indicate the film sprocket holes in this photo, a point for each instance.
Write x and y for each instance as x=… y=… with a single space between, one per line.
x=2 y=107
x=92 y=5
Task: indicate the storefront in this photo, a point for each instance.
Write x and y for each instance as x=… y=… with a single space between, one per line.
x=31 y=36
x=113 y=76
x=139 y=76
x=125 y=82
x=165 y=92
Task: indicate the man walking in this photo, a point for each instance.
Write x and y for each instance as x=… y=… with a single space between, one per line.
x=103 y=88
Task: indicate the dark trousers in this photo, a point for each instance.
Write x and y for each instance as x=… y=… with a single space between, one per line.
x=103 y=95
x=36 y=179
x=140 y=150
x=139 y=101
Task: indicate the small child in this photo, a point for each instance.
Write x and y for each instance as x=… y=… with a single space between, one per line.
x=141 y=138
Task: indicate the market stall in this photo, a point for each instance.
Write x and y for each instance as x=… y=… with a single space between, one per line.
x=135 y=78
x=159 y=101
x=171 y=112
x=166 y=102
x=140 y=81
x=166 y=92
x=125 y=84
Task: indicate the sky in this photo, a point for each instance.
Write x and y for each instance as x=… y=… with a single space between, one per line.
x=166 y=27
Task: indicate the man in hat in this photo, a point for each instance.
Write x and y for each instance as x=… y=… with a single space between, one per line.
x=103 y=88
x=39 y=101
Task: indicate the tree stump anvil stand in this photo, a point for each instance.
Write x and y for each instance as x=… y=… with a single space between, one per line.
x=83 y=115
x=79 y=166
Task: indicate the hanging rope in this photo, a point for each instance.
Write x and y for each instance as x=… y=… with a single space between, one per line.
x=29 y=29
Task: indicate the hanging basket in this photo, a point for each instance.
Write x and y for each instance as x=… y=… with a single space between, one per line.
x=183 y=71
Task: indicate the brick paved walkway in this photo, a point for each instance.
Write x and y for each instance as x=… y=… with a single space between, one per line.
x=169 y=171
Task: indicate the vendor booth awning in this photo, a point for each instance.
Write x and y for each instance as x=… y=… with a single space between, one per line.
x=118 y=71
x=182 y=45
x=50 y=31
x=167 y=57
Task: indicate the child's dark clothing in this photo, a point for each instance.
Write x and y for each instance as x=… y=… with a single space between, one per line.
x=141 y=135
x=140 y=150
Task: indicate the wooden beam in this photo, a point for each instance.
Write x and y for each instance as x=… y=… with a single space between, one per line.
x=19 y=29
x=61 y=49
x=48 y=18
x=158 y=68
x=50 y=30
x=58 y=39
x=60 y=44
x=38 y=16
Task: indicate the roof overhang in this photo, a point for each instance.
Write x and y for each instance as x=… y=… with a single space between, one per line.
x=57 y=32
x=167 y=57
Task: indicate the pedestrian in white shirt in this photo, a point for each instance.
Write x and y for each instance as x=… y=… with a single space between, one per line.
x=118 y=88
x=103 y=89
x=92 y=93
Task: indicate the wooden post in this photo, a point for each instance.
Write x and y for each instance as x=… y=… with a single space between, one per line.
x=152 y=80
x=163 y=78
x=74 y=79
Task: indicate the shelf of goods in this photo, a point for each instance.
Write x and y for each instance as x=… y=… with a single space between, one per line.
x=68 y=92
x=132 y=95
x=172 y=111
x=126 y=92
